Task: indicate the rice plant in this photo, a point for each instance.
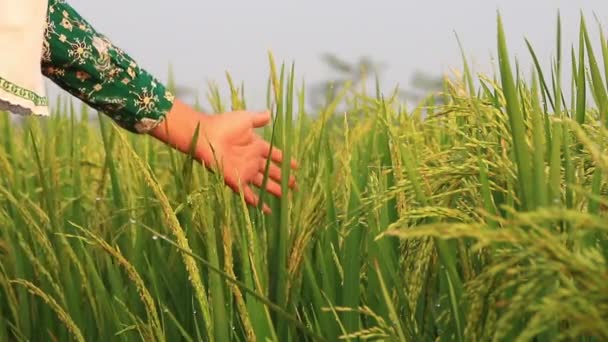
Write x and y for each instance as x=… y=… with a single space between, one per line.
x=483 y=218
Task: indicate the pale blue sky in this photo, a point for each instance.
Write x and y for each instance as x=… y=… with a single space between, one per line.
x=203 y=39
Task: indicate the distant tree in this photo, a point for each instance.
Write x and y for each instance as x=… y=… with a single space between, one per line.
x=364 y=70
x=422 y=85
x=356 y=73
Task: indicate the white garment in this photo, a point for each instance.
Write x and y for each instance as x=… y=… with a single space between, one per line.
x=22 y=26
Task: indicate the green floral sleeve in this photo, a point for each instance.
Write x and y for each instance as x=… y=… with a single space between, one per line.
x=86 y=64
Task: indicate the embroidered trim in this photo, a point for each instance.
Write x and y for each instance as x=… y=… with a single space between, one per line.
x=23 y=93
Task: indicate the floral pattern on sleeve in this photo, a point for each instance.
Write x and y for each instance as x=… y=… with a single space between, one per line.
x=86 y=64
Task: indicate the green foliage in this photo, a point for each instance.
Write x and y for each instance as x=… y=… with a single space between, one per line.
x=486 y=220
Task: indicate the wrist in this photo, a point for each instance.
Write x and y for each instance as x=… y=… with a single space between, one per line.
x=179 y=127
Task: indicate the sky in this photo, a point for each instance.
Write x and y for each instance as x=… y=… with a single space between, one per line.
x=204 y=39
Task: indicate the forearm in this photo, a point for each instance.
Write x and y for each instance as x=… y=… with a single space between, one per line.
x=86 y=64
x=179 y=127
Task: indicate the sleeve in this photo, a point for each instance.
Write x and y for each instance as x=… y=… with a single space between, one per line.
x=87 y=65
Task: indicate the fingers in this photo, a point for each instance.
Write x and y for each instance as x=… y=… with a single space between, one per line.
x=274 y=173
x=254 y=200
x=272 y=187
x=260 y=119
x=275 y=154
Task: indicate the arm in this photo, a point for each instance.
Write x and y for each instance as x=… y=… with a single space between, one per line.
x=86 y=64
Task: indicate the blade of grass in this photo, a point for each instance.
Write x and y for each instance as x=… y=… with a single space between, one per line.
x=516 y=121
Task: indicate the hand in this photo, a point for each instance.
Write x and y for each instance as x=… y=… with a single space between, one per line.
x=230 y=140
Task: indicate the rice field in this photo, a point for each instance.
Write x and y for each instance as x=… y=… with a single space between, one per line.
x=482 y=218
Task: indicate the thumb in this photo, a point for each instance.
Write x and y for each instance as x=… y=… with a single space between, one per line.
x=260 y=119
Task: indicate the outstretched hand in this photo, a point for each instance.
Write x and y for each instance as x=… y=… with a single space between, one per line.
x=229 y=140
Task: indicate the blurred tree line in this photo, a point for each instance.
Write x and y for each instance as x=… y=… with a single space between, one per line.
x=366 y=72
